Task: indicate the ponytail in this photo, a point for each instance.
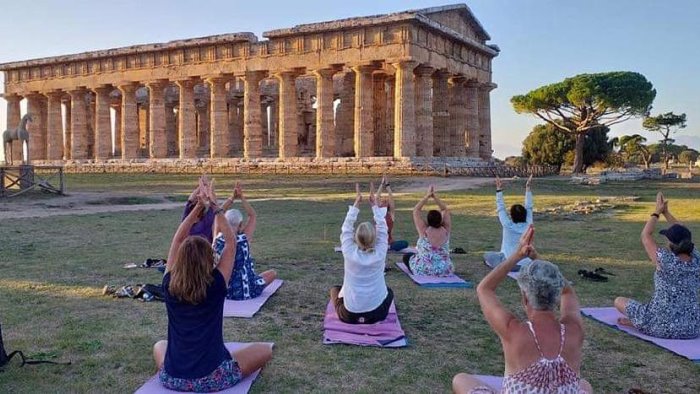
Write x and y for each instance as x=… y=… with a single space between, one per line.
x=686 y=246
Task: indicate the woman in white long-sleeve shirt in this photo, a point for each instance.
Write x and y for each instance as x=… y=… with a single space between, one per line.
x=514 y=225
x=364 y=297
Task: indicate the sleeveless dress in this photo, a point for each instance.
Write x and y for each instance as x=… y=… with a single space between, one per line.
x=674 y=311
x=544 y=376
x=430 y=260
x=245 y=283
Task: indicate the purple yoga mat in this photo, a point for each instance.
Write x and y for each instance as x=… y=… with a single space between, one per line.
x=153 y=386
x=435 y=281
x=688 y=348
x=495 y=382
x=387 y=333
x=409 y=249
x=250 y=307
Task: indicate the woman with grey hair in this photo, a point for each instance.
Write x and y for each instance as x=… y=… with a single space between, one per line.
x=244 y=283
x=673 y=311
x=543 y=354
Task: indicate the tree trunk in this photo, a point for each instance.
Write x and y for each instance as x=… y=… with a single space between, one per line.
x=578 y=157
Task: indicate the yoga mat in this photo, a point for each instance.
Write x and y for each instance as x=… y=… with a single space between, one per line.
x=435 y=281
x=409 y=249
x=250 y=307
x=386 y=333
x=688 y=348
x=153 y=386
x=496 y=382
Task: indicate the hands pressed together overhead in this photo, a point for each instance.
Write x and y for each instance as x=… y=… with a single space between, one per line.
x=371 y=198
x=661 y=204
x=526 y=247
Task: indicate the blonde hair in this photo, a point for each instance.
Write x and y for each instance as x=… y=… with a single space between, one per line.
x=364 y=236
x=191 y=272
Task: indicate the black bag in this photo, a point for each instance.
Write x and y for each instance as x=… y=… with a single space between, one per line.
x=5 y=358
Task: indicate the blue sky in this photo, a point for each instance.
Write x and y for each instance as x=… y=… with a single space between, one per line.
x=541 y=41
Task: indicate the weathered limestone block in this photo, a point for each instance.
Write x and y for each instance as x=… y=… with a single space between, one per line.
x=325 y=128
x=37 y=127
x=424 y=111
x=252 y=129
x=129 y=122
x=458 y=116
x=473 y=129
x=78 y=121
x=158 y=141
x=186 y=120
x=364 y=108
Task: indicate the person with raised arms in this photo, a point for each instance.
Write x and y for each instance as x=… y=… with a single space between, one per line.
x=388 y=202
x=433 y=246
x=364 y=297
x=674 y=311
x=542 y=354
x=245 y=283
x=194 y=357
x=513 y=225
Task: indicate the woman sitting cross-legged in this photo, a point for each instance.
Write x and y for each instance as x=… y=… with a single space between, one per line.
x=543 y=354
x=245 y=283
x=364 y=296
x=194 y=357
x=433 y=257
x=673 y=311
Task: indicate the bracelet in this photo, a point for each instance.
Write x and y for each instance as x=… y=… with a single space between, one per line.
x=499 y=190
x=656 y=215
x=218 y=211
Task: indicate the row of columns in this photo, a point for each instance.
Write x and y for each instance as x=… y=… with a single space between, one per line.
x=434 y=114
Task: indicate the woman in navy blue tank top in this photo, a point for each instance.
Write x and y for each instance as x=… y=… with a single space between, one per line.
x=194 y=357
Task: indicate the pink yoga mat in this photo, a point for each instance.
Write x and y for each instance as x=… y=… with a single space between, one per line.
x=153 y=386
x=409 y=249
x=387 y=333
x=248 y=308
x=435 y=281
x=495 y=382
x=688 y=348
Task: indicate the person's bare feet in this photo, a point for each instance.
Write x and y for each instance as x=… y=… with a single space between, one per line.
x=623 y=321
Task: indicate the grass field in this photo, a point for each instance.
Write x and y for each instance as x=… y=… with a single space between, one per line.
x=52 y=271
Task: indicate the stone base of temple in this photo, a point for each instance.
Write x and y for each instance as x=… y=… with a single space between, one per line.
x=301 y=165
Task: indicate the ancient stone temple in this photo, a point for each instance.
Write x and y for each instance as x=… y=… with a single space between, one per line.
x=401 y=88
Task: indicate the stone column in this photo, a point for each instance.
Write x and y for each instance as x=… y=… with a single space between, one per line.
x=14 y=115
x=458 y=116
x=220 y=140
x=129 y=122
x=235 y=126
x=288 y=131
x=68 y=136
x=274 y=121
x=404 y=110
x=54 y=126
x=363 y=136
x=345 y=116
x=252 y=128
x=203 y=129
x=36 y=128
x=424 y=111
x=157 y=144
x=78 y=124
x=325 y=127
x=186 y=120
x=441 y=115
x=485 y=149
x=171 y=140
x=380 y=104
x=103 y=123
x=472 y=120
x=388 y=139
x=117 y=130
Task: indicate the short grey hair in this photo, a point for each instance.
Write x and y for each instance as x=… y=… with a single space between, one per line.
x=542 y=283
x=234 y=218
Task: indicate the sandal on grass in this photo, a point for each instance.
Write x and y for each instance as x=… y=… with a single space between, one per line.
x=592 y=276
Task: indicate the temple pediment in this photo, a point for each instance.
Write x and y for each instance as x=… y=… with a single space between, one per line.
x=457 y=17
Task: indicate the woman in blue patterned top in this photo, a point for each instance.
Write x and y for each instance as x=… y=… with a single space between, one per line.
x=194 y=357
x=673 y=311
x=244 y=283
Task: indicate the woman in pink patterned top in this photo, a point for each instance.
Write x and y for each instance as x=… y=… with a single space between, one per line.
x=543 y=354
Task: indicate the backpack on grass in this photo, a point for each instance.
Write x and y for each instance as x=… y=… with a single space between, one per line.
x=5 y=358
